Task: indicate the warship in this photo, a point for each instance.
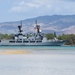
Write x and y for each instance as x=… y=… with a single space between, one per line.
x=37 y=40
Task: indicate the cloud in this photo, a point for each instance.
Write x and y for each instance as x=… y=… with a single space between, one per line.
x=43 y=7
x=70 y=0
x=23 y=6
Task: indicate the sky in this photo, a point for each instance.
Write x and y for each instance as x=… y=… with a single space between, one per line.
x=15 y=10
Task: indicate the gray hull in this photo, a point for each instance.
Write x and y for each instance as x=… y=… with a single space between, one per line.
x=51 y=43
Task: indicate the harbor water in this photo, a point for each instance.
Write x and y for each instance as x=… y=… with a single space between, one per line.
x=42 y=60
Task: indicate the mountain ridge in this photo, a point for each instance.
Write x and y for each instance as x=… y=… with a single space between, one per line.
x=55 y=23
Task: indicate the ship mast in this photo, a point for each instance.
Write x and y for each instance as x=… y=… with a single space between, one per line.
x=38 y=31
x=37 y=27
x=20 y=29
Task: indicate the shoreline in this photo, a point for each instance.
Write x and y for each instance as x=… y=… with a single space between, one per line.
x=14 y=51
